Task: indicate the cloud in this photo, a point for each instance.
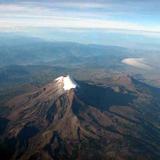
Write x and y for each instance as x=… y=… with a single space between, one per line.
x=71 y=14
x=11 y=7
x=58 y=21
x=67 y=22
x=137 y=62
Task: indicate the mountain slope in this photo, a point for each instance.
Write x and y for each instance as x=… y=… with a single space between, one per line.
x=79 y=120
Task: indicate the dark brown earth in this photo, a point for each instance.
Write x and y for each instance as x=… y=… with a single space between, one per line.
x=109 y=121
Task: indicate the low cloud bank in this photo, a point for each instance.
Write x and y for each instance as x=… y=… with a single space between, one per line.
x=137 y=62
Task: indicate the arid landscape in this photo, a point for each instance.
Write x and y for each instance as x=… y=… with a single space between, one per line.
x=79 y=80
x=92 y=121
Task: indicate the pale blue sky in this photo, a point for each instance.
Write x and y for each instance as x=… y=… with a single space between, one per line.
x=126 y=19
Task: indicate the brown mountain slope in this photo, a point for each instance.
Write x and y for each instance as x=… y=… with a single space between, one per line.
x=86 y=123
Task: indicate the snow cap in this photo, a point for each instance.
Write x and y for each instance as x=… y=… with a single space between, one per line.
x=68 y=82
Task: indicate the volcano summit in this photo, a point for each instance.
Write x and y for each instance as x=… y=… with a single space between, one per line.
x=67 y=81
x=59 y=122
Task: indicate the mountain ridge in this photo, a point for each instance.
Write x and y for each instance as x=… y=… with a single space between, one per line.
x=88 y=122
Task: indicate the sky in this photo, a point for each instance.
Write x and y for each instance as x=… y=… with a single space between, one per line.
x=92 y=19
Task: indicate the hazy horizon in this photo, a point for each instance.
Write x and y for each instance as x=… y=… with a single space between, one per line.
x=133 y=24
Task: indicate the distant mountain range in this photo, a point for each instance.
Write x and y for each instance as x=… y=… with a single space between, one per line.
x=28 y=51
x=86 y=121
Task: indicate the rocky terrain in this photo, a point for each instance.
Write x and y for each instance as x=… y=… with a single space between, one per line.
x=83 y=120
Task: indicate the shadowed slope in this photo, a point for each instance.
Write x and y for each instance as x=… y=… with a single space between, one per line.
x=86 y=122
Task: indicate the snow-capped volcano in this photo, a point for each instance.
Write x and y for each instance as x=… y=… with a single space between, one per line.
x=56 y=119
x=68 y=82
